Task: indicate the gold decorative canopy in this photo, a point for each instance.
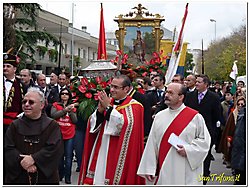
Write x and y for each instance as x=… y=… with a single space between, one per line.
x=138 y=19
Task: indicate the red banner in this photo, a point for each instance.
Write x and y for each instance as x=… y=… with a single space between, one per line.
x=179 y=41
x=102 y=44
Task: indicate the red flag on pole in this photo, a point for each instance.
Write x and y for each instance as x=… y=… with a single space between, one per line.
x=179 y=41
x=102 y=44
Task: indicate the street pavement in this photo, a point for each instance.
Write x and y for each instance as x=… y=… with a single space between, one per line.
x=220 y=175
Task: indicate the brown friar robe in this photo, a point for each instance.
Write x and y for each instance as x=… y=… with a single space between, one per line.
x=39 y=138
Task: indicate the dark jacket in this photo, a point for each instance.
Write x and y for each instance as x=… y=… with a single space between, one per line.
x=238 y=160
x=209 y=108
x=52 y=97
x=147 y=113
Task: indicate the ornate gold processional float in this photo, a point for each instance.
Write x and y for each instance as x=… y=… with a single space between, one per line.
x=141 y=50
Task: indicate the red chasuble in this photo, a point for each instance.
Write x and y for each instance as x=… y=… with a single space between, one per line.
x=124 y=153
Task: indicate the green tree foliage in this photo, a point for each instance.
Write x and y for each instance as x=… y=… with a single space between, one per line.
x=221 y=54
x=188 y=63
x=149 y=43
x=20 y=29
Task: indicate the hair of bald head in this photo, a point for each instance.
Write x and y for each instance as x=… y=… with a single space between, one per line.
x=39 y=75
x=38 y=91
x=182 y=90
x=27 y=70
x=193 y=75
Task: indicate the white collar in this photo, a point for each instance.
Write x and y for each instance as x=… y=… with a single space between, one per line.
x=204 y=92
x=13 y=79
x=163 y=89
x=191 y=89
x=178 y=109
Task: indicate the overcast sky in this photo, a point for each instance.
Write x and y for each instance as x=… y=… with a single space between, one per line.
x=229 y=15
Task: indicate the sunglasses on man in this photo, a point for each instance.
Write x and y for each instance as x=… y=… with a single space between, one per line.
x=30 y=102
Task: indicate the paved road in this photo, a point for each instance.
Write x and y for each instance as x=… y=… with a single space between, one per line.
x=221 y=174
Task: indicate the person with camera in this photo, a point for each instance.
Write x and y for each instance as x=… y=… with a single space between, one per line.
x=64 y=113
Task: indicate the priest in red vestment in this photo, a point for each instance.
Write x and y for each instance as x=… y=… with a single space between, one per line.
x=114 y=139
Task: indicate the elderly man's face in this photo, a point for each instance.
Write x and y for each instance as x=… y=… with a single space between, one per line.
x=41 y=81
x=32 y=105
x=190 y=81
x=53 y=79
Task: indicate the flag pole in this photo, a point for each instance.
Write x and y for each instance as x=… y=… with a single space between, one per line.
x=72 y=45
x=102 y=55
x=202 y=58
x=175 y=57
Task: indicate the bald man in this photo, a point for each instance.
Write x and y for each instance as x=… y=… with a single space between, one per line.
x=178 y=163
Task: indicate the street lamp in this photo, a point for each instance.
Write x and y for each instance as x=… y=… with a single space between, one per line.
x=212 y=20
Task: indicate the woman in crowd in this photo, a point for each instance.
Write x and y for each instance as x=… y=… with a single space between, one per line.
x=64 y=113
x=228 y=133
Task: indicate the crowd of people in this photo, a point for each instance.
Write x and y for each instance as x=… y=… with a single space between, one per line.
x=139 y=133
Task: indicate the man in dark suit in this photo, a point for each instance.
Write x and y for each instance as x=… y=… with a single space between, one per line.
x=207 y=103
x=156 y=96
x=147 y=113
x=55 y=91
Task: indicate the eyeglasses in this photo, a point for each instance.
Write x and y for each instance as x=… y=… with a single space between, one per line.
x=64 y=93
x=240 y=104
x=117 y=87
x=30 y=102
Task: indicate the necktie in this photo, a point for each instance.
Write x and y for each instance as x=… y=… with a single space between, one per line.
x=160 y=92
x=200 y=97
